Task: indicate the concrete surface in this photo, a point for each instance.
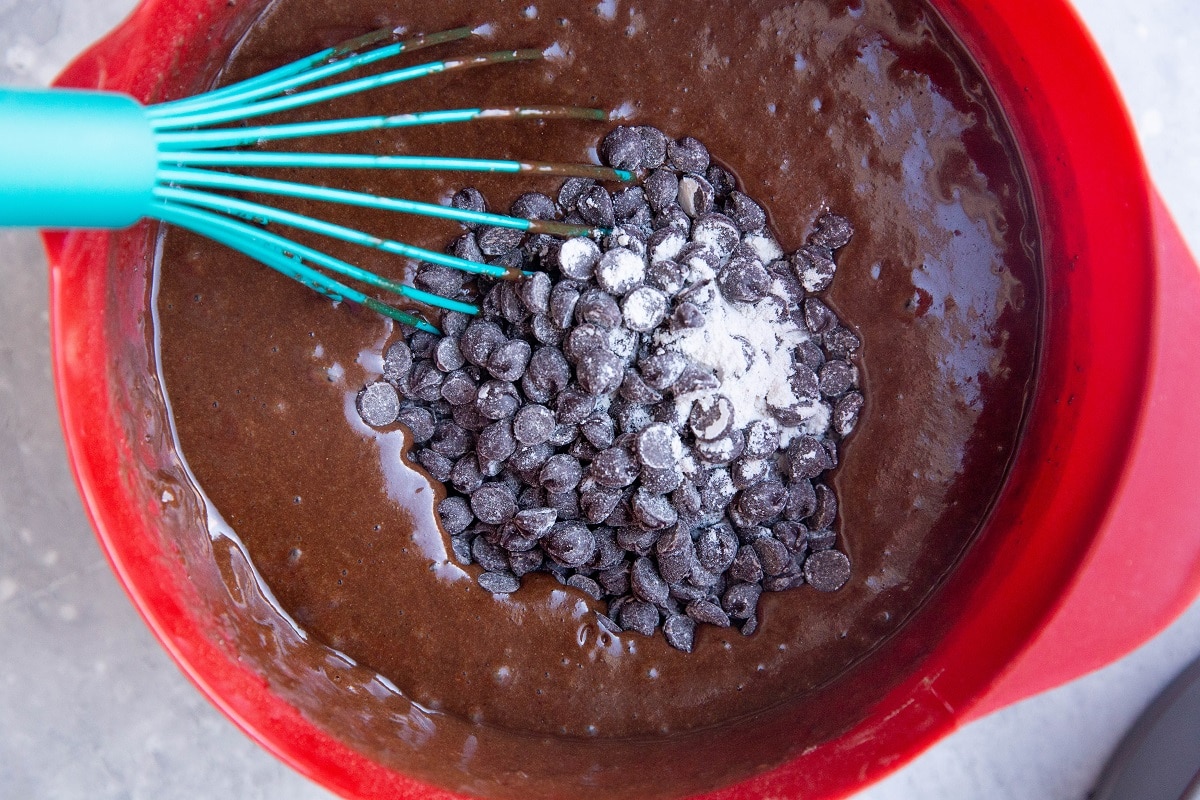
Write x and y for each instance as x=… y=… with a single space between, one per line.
x=91 y=707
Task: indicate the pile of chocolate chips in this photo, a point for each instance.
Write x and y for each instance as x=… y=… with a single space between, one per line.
x=552 y=417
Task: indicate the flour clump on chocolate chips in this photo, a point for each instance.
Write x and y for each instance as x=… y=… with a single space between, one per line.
x=647 y=417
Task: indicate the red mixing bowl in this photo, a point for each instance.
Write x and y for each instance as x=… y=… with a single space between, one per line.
x=1091 y=548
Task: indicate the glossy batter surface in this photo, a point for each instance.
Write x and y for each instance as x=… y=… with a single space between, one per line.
x=866 y=108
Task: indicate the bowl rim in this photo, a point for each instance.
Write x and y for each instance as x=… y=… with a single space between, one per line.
x=922 y=708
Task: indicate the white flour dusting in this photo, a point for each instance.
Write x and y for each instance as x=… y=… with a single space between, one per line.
x=749 y=348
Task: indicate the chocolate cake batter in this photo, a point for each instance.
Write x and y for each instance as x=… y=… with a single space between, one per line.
x=867 y=107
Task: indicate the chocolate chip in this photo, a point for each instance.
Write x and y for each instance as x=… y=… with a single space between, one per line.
x=676 y=554
x=744 y=280
x=536 y=522
x=746 y=566
x=810 y=355
x=716 y=547
x=598 y=429
x=806 y=457
x=718 y=233
x=596 y=208
x=817 y=316
x=654 y=143
x=783 y=582
x=450 y=440
x=661 y=481
x=572 y=189
x=639 y=617
x=659 y=447
x=619 y=271
x=651 y=511
x=615 y=579
x=821 y=539
x=544 y=331
x=695 y=378
x=674 y=217
x=688 y=155
x=636 y=390
x=721 y=179
x=717 y=490
x=563 y=434
x=802 y=499
x=644 y=309
x=723 y=449
x=548 y=368
x=459 y=388
x=419 y=422
x=570 y=544
x=455 y=515
x=586 y=585
x=534 y=292
x=563 y=298
x=509 y=360
x=584 y=338
x=560 y=473
x=696 y=196
x=827 y=570
x=465 y=475
x=534 y=205
x=566 y=504
x=662 y=371
x=479 y=340
x=840 y=342
x=460 y=548
x=494 y=503
x=469 y=417
x=708 y=612
x=533 y=424
x=646 y=583
x=623 y=148
x=826 y=508
x=680 y=632
x=489 y=556
x=496 y=442
x=748 y=214
x=497 y=399
x=661 y=189
x=397 y=364
x=499 y=582
x=832 y=231
x=845 y=413
x=469 y=199
x=524 y=562
x=598 y=308
x=740 y=600
x=836 y=377
x=711 y=418
x=599 y=372
x=762 y=502
x=772 y=555
x=378 y=404
x=628 y=201
x=687 y=316
x=436 y=464
x=496 y=241
x=577 y=258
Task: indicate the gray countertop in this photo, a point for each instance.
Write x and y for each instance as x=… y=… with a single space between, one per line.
x=92 y=707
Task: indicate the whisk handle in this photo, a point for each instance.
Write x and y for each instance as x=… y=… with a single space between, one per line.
x=74 y=159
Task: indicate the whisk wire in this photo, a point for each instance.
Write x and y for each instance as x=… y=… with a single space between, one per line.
x=287 y=256
x=236 y=137
x=258 y=212
x=223 y=180
x=327 y=93
x=305 y=71
x=238 y=158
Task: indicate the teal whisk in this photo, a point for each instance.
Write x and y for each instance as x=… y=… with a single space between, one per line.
x=76 y=159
